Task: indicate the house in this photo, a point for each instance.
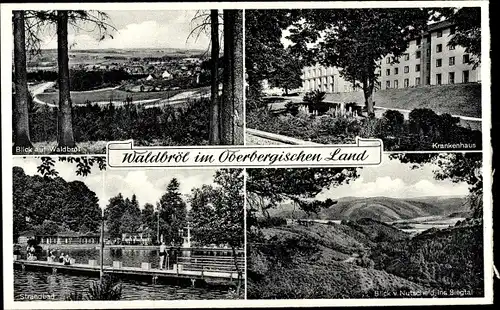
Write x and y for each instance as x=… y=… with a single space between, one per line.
x=150 y=77
x=141 y=237
x=166 y=75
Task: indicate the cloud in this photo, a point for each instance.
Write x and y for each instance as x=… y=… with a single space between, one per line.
x=146 y=34
x=396 y=188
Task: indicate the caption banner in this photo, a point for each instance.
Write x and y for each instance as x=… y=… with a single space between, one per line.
x=365 y=152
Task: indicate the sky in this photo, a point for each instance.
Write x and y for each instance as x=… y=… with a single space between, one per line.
x=147 y=185
x=397 y=180
x=138 y=29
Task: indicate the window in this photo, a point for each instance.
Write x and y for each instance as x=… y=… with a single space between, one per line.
x=419 y=54
x=388 y=72
x=395 y=83
x=418 y=41
x=465 y=78
x=451 y=78
x=388 y=84
x=407 y=83
x=407 y=69
x=396 y=71
x=428 y=66
x=452 y=61
x=439 y=33
x=388 y=60
x=417 y=68
x=466 y=59
x=417 y=81
x=407 y=56
x=452 y=30
x=438 y=79
x=451 y=47
x=439 y=62
x=439 y=48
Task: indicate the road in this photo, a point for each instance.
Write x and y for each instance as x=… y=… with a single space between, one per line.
x=147 y=103
x=39 y=89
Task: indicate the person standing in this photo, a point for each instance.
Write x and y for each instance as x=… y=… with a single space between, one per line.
x=163 y=254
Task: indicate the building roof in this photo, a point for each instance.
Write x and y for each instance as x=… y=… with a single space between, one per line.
x=439 y=25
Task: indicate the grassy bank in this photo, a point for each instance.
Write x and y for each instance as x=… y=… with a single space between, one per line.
x=458 y=99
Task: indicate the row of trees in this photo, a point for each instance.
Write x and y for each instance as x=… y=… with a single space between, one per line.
x=352 y=39
x=226 y=122
x=47 y=205
x=124 y=215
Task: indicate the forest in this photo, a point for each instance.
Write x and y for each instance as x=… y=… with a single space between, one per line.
x=158 y=125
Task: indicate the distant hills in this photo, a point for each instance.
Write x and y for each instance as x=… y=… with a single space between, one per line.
x=384 y=209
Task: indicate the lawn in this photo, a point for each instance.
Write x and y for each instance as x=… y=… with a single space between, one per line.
x=106 y=95
x=458 y=99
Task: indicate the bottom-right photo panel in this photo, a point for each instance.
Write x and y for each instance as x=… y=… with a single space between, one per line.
x=411 y=227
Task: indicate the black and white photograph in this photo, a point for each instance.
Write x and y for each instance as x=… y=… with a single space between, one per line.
x=159 y=77
x=409 y=76
x=410 y=228
x=161 y=235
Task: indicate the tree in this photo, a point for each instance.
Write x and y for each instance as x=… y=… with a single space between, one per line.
x=36 y=199
x=113 y=214
x=217 y=213
x=356 y=40
x=214 y=137
x=467 y=24
x=231 y=115
x=268 y=187
x=457 y=167
x=65 y=131
x=288 y=74
x=173 y=211
x=21 y=119
x=62 y=19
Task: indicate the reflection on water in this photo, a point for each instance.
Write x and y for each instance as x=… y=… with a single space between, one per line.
x=129 y=257
x=37 y=285
x=43 y=285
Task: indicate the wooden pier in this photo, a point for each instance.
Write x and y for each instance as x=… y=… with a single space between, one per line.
x=177 y=272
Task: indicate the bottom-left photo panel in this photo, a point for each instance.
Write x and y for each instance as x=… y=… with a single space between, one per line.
x=82 y=231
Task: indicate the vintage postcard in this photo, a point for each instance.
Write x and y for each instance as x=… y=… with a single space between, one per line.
x=254 y=154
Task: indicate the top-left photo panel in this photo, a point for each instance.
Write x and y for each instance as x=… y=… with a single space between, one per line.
x=82 y=78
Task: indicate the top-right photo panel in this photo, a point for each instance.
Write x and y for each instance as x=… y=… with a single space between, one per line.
x=408 y=76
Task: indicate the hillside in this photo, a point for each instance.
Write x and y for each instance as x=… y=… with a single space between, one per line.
x=358 y=258
x=316 y=261
x=384 y=209
x=458 y=99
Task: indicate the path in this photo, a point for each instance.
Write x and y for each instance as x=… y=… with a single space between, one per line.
x=177 y=272
x=268 y=138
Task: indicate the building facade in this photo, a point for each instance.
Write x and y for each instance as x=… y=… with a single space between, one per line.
x=428 y=60
x=325 y=79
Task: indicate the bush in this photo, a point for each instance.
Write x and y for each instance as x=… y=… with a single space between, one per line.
x=420 y=132
x=188 y=125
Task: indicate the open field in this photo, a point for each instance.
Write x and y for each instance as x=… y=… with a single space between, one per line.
x=114 y=95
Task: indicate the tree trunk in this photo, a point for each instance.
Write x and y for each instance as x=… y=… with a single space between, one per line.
x=214 y=136
x=368 y=86
x=65 y=126
x=235 y=260
x=232 y=104
x=21 y=125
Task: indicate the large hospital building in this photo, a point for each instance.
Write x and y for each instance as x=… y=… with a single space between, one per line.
x=427 y=61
